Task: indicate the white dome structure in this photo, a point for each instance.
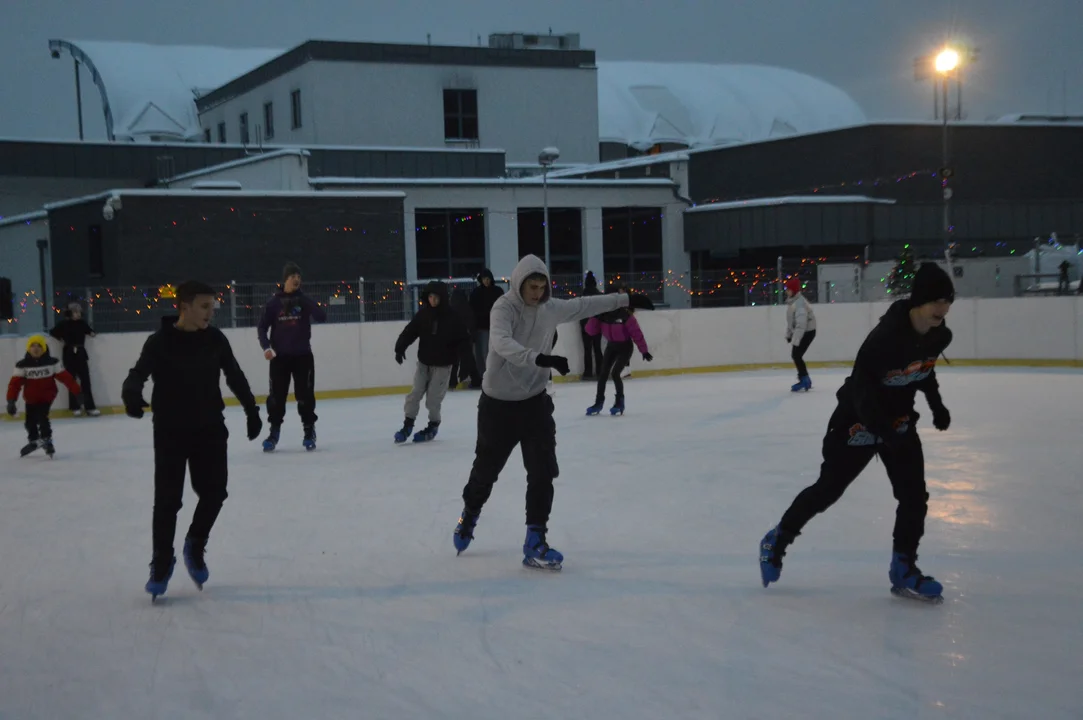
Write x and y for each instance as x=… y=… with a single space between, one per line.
x=643 y=104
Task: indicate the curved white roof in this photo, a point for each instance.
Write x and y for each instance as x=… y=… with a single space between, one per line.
x=151 y=89
x=695 y=104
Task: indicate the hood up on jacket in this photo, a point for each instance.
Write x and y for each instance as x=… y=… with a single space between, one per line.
x=529 y=265
x=486 y=273
x=439 y=289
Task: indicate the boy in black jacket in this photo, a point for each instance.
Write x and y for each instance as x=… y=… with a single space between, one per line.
x=73 y=331
x=441 y=336
x=186 y=358
x=875 y=416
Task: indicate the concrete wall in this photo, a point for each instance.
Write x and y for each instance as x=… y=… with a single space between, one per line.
x=982 y=277
x=282 y=170
x=276 y=91
x=358 y=357
x=19 y=195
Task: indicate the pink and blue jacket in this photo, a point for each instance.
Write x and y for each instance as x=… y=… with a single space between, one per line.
x=618 y=327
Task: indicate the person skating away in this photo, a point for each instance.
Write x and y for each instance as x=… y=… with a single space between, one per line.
x=592 y=344
x=465 y=365
x=36 y=376
x=186 y=359
x=285 y=334
x=73 y=331
x=481 y=302
x=440 y=337
x=620 y=330
x=800 y=331
x=875 y=416
x=515 y=408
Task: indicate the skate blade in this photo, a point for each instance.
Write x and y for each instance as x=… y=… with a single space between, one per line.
x=535 y=564
x=908 y=594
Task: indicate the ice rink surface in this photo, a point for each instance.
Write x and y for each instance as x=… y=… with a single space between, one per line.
x=335 y=591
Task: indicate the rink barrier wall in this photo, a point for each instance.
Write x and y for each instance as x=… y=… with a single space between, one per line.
x=357 y=359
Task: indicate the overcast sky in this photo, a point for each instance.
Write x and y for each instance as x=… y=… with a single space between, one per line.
x=1030 y=49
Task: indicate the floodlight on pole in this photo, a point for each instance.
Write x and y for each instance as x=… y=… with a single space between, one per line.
x=546 y=158
x=946 y=60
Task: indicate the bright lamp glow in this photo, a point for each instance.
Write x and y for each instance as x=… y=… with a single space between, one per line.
x=947 y=60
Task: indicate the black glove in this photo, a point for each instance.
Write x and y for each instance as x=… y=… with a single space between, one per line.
x=399 y=357
x=648 y=357
x=11 y=408
x=556 y=362
x=640 y=301
x=255 y=425
x=133 y=408
x=941 y=418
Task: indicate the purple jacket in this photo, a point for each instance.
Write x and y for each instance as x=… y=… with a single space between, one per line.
x=622 y=328
x=289 y=320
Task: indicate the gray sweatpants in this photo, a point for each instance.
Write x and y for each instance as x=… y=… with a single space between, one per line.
x=432 y=382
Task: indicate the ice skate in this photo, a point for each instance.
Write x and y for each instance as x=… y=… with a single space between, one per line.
x=618 y=406
x=77 y=413
x=536 y=551
x=803 y=383
x=47 y=446
x=160 y=573
x=772 y=549
x=94 y=413
x=271 y=442
x=29 y=448
x=907 y=580
x=427 y=433
x=403 y=435
x=464 y=531
x=309 y=440
x=194 y=561
x=595 y=408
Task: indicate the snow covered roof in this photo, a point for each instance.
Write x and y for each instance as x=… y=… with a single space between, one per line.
x=615 y=165
x=153 y=192
x=26 y=218
x=642 y=104
x=788 y=200
x=150 y=90
x=493 y=182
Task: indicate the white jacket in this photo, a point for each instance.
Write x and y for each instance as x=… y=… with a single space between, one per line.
x=519 y=333
x=799 y=318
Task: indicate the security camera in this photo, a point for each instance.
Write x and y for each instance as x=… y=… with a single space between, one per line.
x=110 y=207
x=55 y=54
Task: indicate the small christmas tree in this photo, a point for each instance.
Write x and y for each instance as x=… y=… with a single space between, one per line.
x=901 y=278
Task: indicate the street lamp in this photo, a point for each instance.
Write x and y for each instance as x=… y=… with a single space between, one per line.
x=546 y=158
x=946 y=62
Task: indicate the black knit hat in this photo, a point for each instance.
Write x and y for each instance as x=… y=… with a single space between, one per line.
x=930 y=284
x=291 y=268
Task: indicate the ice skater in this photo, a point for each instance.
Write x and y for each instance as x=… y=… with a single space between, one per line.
x=592 y=344
x=73 y=331
x=288 y=318
x=621 y=330
x=441 y=336
x=481 y=302
x=875 y=416
x=800 y=331
x=36 y=375
x=515 y=408
x=186 y=359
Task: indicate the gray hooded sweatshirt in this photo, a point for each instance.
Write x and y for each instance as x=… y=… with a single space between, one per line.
x=519 y=333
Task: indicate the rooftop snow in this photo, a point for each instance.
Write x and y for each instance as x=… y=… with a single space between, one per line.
x=151 y=192
x=494 y=182
x=788 y=200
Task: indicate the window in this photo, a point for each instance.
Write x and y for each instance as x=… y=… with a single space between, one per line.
x=450 y=243
x=95 y=251
x=268 y=120
x=565 y=238
x=221 y=132
x=295 y=109
x=206 y=135
x=632 y=240
x=244 y=128
x=461 y=114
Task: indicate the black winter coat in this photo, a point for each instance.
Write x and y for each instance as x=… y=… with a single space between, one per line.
x=893 y=363
x=439 y=331
x=482 y=300
x=186 y=368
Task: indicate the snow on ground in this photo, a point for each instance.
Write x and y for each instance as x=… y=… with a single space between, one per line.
x=335 y=591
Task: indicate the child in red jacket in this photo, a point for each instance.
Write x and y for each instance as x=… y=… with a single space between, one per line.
x=36 y=375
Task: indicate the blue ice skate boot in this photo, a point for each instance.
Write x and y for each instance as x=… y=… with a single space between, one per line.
x=271 y=442
x=618 y=406
x=772 y=549
x=403 y=435
x=309 y=440
x=160 y=573
x=427 y=433
x=536 y=552
x=464 y=531
x=908 y=581
x=803 y=383
x=595 y=408
x=194 y=562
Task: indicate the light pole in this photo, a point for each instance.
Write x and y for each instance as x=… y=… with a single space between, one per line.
x=546 y=159
x=947 y=61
